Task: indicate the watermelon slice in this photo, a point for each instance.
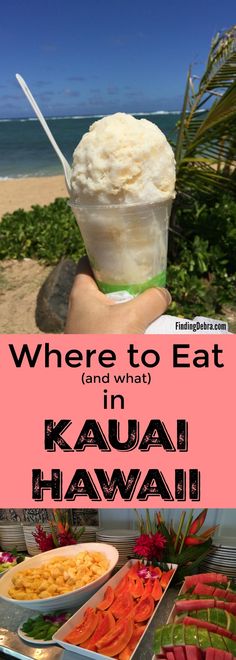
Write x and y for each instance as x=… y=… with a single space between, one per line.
x=220 y=593
x=178 y=635
x=211 y=627
x=189 y=605
x=224 y=605
x=203 y=589
x=208 y=590
x=191 y=635
x=204 y=614
x=218 y=641
x=220 y=585
x=230 y=596
x=225 y=593
x=210 y=654
x=194 y=636
x=214 y=615
x=157 y=641
x=231 y=625
x=230 y=644
x=213 y=619
x=203 y=638
x=167 y=635
x=193 y=653
x=204 y=627
x=188 y=596
x=179 y=653
x=206 y=578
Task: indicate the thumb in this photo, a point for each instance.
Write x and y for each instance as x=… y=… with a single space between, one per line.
x=149 y=305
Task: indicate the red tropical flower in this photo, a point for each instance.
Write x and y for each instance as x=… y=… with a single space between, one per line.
x=66 y=538
x=158 y=542
x=142 y=546
x=58 y=538
x=44 y=541
x=150 y=546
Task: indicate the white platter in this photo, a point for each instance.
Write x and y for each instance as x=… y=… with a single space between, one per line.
x=92 y=602
x=34 y=640
x=71 y=599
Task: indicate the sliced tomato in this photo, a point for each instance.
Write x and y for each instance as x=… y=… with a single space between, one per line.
x=105 y=624
x=107 y=600
x=122 y=586
x=137 y=633
x=85 y=628
x=144 y=609
x=157 y=590
x=148 y=587
x=157 y=570
x=133 y=571
x=125 y=654
x=164 y=581
x=135 y=587
x=122 y=605
x=89 y=642
x=117 y=639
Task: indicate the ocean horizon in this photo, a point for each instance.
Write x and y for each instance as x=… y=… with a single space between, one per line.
x=26 y=151
x=56 y=117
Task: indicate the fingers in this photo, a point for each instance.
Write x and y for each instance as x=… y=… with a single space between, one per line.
x=83 y=267
x=90 y=311
x=149 y=305
x=84 y=283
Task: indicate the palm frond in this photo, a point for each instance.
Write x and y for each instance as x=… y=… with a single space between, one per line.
x=206 y=144
x=221 y=111
x=221 y=61
x=181 y=130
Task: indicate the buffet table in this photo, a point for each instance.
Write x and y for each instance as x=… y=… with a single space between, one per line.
x=11 y=616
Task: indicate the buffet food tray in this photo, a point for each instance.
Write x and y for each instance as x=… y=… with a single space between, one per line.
x=93 y=602
x=12 y=645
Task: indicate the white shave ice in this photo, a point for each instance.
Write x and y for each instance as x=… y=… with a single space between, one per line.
x=123 y=160
x=123 y=184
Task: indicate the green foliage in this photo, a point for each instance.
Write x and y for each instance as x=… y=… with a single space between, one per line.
x=202 y=263
x=202 y=254
x=189 y=560
x=46 y=233
x=177 y=551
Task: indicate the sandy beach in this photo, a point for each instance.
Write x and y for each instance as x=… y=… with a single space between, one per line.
x=20 y=280
x=23 y=193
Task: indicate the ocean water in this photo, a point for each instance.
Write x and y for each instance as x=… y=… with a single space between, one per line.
x=25 y=150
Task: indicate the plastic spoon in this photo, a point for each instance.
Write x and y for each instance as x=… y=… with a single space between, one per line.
x=64 y=162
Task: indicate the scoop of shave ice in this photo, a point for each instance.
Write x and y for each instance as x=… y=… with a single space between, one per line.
x=123 y=160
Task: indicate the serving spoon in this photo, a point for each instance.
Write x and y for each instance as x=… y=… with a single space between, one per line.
x=64 y=162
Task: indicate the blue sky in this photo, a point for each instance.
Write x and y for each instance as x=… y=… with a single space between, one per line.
x=102 y=56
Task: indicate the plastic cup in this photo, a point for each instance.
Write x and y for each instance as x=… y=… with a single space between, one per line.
x=126 y=244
